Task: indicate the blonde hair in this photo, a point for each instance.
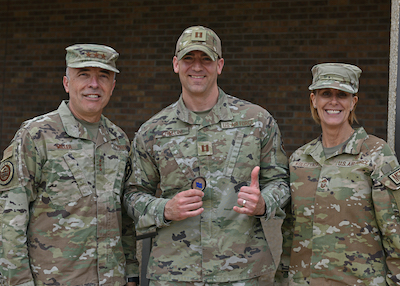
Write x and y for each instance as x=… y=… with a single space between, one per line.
x=315 y=116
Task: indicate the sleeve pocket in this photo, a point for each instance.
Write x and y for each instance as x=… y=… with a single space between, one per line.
x=391 y=181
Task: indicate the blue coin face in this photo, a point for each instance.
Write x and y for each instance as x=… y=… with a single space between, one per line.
x=199 y=183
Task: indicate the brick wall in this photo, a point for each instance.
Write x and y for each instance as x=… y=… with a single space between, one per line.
x=269 y=48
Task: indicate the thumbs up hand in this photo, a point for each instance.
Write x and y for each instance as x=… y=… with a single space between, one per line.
x=249 y=197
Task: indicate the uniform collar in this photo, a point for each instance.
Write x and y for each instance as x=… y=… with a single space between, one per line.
x=353 y=147
x=220 y=112
x=75 y=129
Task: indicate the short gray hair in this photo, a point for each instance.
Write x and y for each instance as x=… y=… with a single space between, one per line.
x=67 y=73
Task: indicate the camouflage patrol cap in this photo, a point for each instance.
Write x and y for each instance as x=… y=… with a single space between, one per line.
x=339 y=76
x=91 y=55
x=199 y=38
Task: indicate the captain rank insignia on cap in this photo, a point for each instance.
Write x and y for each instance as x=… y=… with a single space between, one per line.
x=199 y=36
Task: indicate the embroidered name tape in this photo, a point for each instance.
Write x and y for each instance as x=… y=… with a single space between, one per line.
x=234 y=124
x=305 y=164
x=172 y=133
x=342 y=163
x=62 y=146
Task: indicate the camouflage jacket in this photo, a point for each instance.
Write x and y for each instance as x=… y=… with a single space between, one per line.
x=173 y=148
x=60 y=204
x=345 y=220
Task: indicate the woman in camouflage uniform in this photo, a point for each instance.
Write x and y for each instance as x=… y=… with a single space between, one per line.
x=344 y=224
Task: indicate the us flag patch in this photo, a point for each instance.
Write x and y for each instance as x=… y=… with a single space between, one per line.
x=395 y=176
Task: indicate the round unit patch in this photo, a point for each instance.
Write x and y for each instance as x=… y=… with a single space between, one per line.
x=6 y=172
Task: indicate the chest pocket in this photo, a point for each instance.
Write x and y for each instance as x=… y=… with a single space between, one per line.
x=234 y=153
x=177 y=169
x=185 y=163
x=175 y=154
x=65 y=179
x=78 y=174
x=243 y=156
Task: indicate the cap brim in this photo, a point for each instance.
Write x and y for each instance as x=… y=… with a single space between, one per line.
x=94 y=64
x=321 y=84
x=213 y=55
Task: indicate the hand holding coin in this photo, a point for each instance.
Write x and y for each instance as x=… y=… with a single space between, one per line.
x=187 y=203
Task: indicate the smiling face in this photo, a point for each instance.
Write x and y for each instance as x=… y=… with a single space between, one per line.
x=89 y=91
x=333 y=107
x=198 y=73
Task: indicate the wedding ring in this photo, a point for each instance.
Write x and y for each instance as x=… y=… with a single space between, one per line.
x=244 y=202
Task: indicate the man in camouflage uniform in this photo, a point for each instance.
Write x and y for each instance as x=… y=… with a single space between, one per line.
x=61 y=184
x=221 y=169
x=345 y=223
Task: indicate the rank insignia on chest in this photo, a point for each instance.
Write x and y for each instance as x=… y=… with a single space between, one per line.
x=234 y=124
x=204 y=148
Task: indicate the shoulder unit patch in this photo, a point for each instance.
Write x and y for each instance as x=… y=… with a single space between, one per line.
x=6 y=172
